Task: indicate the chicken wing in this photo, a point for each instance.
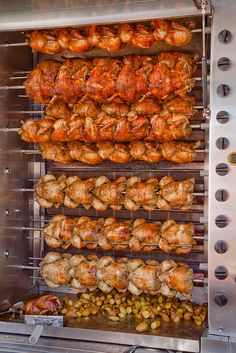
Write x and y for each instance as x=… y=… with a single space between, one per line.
x=73 y=40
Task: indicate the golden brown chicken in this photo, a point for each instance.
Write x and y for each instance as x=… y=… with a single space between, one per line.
x=40 y=83
x=44 y=41
x=84 y=272
x=101 y=193
x=55 y=269
x=173 y=33
x=175 y=194
x=176 y=279
x=144 y=278
x=87 y=232
x=43 y=305
x=145 y=235
x=78 y=192
x=110 y=38
x=114 y=232
x=104 y=37
x=179 y=152
x=71 y=78
x=140 y=193
x=49 y=191
x=59 y=232
x=108 y=193
x=110 y=233
x=106 y=273
x=57 y=109
x=176 y=237
x=110 y=79
x=73 y=40
x=112 y=274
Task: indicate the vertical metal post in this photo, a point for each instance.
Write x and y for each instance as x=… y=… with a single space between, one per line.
x=204 y=60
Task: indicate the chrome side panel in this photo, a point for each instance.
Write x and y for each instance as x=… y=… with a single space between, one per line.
x=222 y=319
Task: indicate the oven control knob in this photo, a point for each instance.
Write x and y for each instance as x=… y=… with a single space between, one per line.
x=221 y=221
x=221 y=195
x=221 y=246
x=222 y=169
x=221 y=273
x=223 y=90
x=225 y=36
x=223 y=63
x=221 y=299
x=222 y=117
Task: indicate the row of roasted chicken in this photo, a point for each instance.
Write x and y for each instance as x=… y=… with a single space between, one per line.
x=110 y=37
x=109 y=233
x=106 y=273
x=113 y=79
x=151 y=152
x=102 y=193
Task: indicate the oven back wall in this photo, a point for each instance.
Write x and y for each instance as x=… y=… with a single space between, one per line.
x=14 y=166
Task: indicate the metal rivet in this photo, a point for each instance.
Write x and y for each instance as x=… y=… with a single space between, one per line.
x=221 y=195
x=221 y=329
x=7 y=171
x=222 y=117
x=224 y=36
x=222 y=143
x=223 y=63
x=221 y=246
x=221 y=299
x=221 y=273
x=6 y=253
x=223 y=90
x=221 y=221
x=7 y=212
x=222 y=169
x=232 y=158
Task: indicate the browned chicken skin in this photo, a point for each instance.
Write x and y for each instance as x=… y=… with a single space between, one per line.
x=110 y=38
x=101 y=193
x=106 y=273
x=111 y=79
x=109 y=233
x=43 y=305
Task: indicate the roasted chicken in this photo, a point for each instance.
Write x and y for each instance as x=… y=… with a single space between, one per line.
x=102 y=193
x=113 y=79
x=110 y=38
x=107 y=128
x=43 y=305
x=109 y=233
x=106 y=273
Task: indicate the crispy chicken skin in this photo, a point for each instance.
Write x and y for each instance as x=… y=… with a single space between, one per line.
x=102 y=193
x=43 y=305
x=106 y=80
x=110 y=38
x=110 y=233
x=170 y=278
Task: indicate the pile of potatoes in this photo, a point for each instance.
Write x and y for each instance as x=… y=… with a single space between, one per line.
x=148 y=310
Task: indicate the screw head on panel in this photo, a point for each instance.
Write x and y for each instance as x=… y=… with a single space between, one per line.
x=222 y=117
x=221 y=299
x=222 y=143
x=221 y=221
x=223 y=90
x=221 y=195
x=222 y=169
x=223 y=63
x=221 y=247
x=224 y=36
x=221 y=273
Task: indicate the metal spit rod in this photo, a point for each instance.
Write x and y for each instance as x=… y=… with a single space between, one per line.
x=205 y=193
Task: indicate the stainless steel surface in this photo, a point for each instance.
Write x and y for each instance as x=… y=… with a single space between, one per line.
x=35 y=335
x=26 y=14
x=222 y=319
x=214 y=343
